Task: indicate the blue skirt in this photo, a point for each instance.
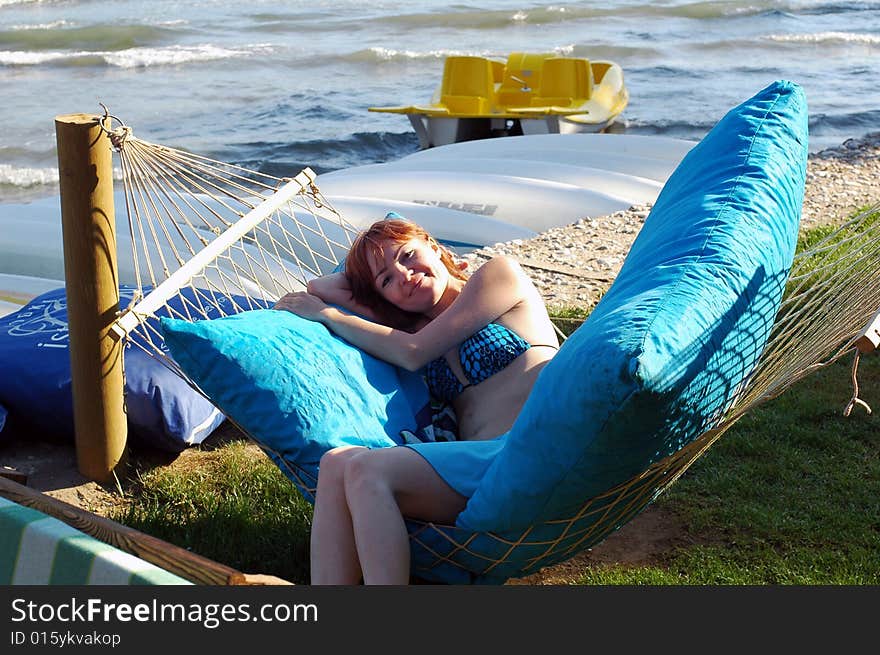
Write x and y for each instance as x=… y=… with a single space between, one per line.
x=461 y=464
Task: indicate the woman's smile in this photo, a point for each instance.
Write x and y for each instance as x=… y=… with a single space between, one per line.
x=416 y=282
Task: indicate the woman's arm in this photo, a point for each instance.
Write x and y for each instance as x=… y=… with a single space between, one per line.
x=335 y=289
x=492 y=290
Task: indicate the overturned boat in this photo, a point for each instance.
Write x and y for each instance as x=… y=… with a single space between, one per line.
x=529 y=93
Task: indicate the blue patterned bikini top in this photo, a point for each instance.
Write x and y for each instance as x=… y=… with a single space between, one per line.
x=482 y=355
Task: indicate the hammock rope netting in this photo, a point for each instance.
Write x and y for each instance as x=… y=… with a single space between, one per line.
x=218 y=239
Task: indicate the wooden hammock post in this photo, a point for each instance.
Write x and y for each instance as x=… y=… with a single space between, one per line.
x=89 y=235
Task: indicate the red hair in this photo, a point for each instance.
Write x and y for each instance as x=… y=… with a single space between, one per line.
x=367 y=246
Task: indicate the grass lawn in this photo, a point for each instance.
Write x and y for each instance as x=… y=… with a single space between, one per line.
x=789 y=495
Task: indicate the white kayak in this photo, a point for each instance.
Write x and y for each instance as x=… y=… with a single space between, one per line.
x=31 y=244
x=632 y=189
x=646 y=157
x=468 y=195
x=568 y=147
x=533 y=204
x=535 y=182
x=456 y=228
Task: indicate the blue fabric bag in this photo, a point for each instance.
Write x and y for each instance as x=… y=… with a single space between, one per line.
x=163 y=411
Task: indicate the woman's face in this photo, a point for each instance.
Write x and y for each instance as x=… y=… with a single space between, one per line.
x=410 y=275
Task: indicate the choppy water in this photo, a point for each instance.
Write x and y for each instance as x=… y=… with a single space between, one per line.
x=280 y=85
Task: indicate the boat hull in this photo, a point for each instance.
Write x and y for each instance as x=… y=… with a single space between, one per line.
x=435 y=131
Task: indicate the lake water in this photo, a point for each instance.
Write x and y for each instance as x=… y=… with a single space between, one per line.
x=282 y=85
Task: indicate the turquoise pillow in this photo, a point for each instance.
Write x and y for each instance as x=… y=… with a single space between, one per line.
x=297 y=388
x=678 y=333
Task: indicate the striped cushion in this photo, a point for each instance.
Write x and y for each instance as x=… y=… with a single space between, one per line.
x=36 y=549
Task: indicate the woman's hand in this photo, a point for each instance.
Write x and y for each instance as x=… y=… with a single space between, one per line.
x=302 y=304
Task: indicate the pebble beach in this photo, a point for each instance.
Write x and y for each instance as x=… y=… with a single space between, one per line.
x=573 y=265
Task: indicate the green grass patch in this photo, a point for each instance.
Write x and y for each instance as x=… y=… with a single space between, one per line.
x=811 y=237
x=789 y=495
x=235 y=507
x=569 y=319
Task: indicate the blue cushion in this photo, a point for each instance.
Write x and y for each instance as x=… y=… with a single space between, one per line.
x=678 y=332
x=295 y=387
x=163 y=411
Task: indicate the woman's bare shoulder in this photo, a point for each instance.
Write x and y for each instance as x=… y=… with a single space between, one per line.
x=499 y=266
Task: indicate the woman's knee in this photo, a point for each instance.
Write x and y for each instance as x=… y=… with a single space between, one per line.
x=405 y=477
x=333 y=463
x=362 y=472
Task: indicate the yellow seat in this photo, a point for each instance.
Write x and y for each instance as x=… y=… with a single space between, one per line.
x=565 y=82
x=468 y=86
x=521 y=79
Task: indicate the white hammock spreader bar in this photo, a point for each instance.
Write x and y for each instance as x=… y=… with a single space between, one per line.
x=140 y=312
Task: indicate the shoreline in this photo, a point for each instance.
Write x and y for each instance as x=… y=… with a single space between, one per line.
x=574 y=265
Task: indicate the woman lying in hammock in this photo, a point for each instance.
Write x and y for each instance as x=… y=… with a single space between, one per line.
x=483 y=340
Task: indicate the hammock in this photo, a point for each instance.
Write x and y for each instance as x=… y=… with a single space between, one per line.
x=217 y=240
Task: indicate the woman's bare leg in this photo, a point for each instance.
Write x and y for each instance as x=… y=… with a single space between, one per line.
x=381 y=487
x=334 y=558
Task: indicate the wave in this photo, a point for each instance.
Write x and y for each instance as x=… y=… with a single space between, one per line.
x=823 y=8
x=132 y=57
x=615 y=52
x=487 y=19
x=27 y=177
x=862 y=122
x=462 y=17
x=693 y=129
x=9 y=3
x=381 y=55
x=827 y=38
x=96 y=37
x=820 y=124
x=283 y=23
x=321 y=155
x=715 y=9
x=42 y=26
x=24 y=177
x=788 y=42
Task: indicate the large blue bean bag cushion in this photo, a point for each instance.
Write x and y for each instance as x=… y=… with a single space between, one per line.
x=296 y=388
x=162 y=410
x=677 y=334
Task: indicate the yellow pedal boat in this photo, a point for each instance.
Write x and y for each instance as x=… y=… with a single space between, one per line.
x=529 y=93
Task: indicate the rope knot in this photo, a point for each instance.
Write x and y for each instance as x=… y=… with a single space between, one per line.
x=316 y=193
x=118 y=135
